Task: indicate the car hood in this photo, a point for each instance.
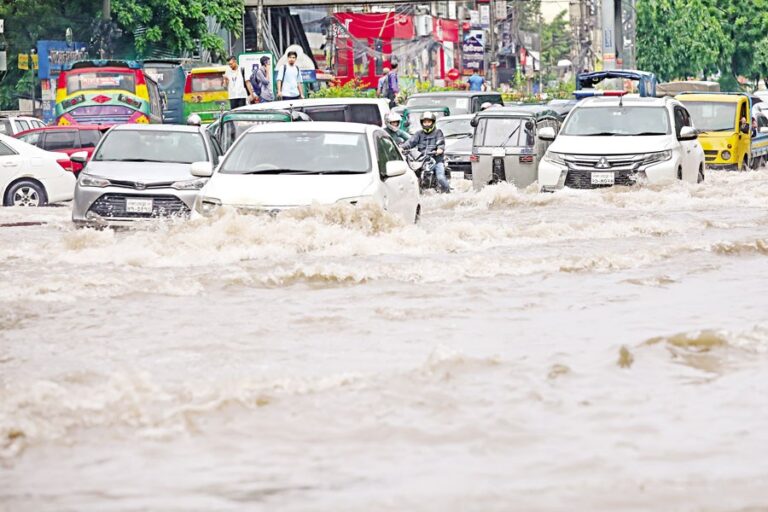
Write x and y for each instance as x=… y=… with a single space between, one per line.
x=287 y=189
x=616 y=145
x=146 y=172
x=458 y=146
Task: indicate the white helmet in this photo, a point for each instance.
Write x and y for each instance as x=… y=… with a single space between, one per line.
x=194 y=120
x=394 y=117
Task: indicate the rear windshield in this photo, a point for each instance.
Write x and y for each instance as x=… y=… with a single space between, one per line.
x=208 y=82
x=456 y=105
x=152 y=146
x=504 y=131
x=101 y=80
x=365 y=114
x=60 y=139
x=166 y=76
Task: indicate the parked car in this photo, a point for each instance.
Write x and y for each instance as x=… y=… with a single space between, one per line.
x=11 y=125
x=371 y=111
x=142 y=172
x=505 y=146
x=285 y=165
x=458 y=102
x=30 y=176
x=458 y=132
x=65 y=139
x=562 y=106
x=621 y=141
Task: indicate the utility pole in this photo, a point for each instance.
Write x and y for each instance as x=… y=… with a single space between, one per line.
x=492 y=42
x=106 y=10
x=541 y=55
x=260 y=26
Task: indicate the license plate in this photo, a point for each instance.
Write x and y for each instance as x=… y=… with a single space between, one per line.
x=602 y=178
x=457 y=175
x=138 y=205
x=499 y=152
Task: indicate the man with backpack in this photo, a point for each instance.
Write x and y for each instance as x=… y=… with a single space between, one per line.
x=238 y=88
x=383 y=86
x=260 y=84
x=392 y=86
x=289 y=82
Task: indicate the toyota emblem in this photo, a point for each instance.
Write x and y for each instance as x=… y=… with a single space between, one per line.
x=139 y=185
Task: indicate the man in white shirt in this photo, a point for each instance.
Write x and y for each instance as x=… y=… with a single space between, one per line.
x=238 y=85
x=289 y=82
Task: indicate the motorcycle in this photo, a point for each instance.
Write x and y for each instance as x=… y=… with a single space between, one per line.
x=424 y=167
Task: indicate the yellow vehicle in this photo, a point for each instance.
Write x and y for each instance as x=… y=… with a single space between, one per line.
x=205 y=93
x=726 y=144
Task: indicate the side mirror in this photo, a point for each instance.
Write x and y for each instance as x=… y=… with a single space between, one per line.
x=764 y=129
x=547 y=133
x=80 y=157
x=687 y=133
x=396 y=168
x=473 y=122
x=201 y=169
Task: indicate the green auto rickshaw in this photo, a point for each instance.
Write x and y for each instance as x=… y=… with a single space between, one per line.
x=235 y=122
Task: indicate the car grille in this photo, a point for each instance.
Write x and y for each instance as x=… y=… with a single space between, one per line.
x=583 y=179
x=603 y=163
x=113 y=205
x=710 y=155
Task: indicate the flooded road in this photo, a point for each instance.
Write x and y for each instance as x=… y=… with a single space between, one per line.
x=585 y=350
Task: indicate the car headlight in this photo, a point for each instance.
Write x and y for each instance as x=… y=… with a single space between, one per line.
x=195 y=184
x=93 y=181
x=725 y=155
x=660 y=156
x=555 y=158
x=207 y=205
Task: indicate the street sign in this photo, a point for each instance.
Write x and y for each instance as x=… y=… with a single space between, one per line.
x=453 y=74
x=24 y=61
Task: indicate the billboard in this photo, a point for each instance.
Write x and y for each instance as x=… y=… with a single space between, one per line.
x=473 y=52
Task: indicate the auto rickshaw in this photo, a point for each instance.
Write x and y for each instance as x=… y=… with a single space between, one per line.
x=505 y=146
x=411 y=117
x=233 y=123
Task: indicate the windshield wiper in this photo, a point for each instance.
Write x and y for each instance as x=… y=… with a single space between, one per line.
x=142 y=160
x=649 y=133
x=458 y=135
x=601 y=134
x=509 y=137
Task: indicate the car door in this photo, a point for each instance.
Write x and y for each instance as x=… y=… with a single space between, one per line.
x=11 y=166
x=689 y=161
x=396 y=189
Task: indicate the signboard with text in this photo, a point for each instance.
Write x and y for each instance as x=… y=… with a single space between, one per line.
x=473 y=52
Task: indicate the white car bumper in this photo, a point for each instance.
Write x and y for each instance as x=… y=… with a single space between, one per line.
x=554 y=176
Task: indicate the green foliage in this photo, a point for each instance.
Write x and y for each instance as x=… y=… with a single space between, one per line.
x=26 y=21
x=555 y=43
x=352 y=89
x=177 y=25
x=529 y=12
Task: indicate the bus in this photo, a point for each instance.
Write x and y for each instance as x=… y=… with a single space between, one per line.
x=106 y=92
x=170 y=77
x=205 y=93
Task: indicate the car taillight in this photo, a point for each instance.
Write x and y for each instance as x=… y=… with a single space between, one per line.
x=65 y=164
x=474 y=158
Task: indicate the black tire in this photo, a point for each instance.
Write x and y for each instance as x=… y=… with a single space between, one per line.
x=25 y=193
x=700 y=177
x=680 y=173
x=418 y=214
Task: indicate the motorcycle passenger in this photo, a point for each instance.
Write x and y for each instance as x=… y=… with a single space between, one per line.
x=393 y=128
x=430 y=141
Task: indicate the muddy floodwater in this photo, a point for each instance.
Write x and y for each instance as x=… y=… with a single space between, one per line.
x=584 y=350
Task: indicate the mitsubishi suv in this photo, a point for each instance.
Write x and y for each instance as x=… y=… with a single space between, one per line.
x=610 y=141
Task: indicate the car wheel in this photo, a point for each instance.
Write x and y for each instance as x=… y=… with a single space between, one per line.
x=680 y=173
x=26 y=193
x=417 y=218
x=700 y=177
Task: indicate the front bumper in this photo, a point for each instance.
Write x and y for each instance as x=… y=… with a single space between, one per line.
x=554 y=176
x=102 y=206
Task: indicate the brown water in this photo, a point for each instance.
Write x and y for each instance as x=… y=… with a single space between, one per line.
x=586 y=350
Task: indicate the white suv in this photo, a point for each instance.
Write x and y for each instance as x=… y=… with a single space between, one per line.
x=11 y=125
x=609 y=141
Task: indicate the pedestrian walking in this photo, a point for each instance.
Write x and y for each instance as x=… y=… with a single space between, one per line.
x=261 y=84
x=289 y=82
x=383 y=87
x=393 y=85
x=475 y=82
x=238 y=87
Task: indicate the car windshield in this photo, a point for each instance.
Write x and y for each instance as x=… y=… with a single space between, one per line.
x=231 y=130
x=504 y=131
x=152 y=146
x=712 y=116
x=288 y=152
x=457 y=105
x=616 y=120
x=101 y=80
x=455 y=127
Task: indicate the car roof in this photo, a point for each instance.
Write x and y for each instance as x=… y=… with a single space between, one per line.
x=156 y=127
x=718 y=97
x=519 y=110
x=55 y=127
x=635 y=101
x=459 y=117
x=317 y=126
x=287 y=104
x=454 y=93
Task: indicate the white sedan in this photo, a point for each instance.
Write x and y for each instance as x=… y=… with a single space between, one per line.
x=30 y=176
x=284 y=165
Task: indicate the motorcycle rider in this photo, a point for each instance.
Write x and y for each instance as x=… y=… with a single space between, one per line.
x=393 y=128
x=430 y=141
